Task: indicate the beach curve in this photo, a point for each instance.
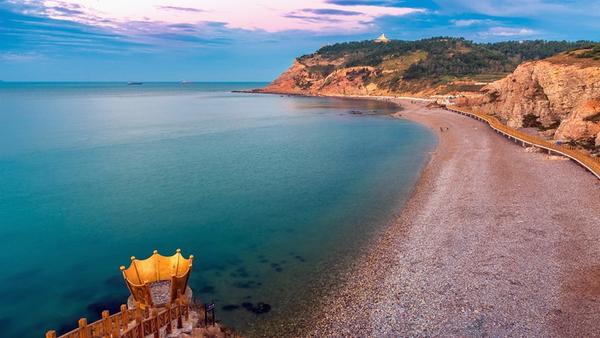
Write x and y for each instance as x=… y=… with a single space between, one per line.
x=494 y=241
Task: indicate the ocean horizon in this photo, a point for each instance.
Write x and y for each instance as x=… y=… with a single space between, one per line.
x=274 y=195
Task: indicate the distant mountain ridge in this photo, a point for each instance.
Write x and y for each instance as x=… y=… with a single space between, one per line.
x=422 y=67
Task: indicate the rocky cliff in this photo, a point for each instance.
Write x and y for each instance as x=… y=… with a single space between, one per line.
x=301 y=78
x=318 y=76
x=416 y=68
x=560 y=96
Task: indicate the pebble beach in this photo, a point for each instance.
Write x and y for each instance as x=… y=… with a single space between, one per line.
x=495 y=241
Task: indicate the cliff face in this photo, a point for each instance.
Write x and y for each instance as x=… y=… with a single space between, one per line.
x=315 y=76
x=299 y=79
x=416 y=68
x=560 y=95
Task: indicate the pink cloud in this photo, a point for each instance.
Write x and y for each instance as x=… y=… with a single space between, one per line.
x=268 y=15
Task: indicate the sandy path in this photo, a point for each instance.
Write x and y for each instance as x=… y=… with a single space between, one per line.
x=495 y=241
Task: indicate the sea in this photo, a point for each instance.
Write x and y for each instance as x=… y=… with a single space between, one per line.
x=274 y=195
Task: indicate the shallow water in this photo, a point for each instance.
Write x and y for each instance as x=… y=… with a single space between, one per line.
x=266 y=191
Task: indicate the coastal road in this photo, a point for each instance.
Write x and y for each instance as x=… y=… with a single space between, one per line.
x=494 y=241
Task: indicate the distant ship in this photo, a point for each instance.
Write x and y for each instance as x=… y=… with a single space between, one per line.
x=185 y=82
x=134 y=83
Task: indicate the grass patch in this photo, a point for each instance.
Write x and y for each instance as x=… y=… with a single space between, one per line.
x=494 y=96
x=593 y=53
x=531 y=121
x=553 y=125
x=321 y=70
x=488 y=77
x=588 y=143
x=461 y=88
x=593 y=118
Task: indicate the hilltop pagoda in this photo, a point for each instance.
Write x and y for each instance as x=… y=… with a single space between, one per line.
x=382 y=39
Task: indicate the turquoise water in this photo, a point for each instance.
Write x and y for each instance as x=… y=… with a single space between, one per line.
x=268 y=192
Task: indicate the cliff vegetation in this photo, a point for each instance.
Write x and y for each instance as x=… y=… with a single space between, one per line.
x=423 y=67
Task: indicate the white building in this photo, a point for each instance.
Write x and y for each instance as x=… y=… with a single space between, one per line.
x=382 y=38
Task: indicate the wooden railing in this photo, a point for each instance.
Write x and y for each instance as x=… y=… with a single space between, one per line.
x=590 y=163
x=131 y=323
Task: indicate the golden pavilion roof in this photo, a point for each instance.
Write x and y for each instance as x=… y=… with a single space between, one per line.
x=143 y=276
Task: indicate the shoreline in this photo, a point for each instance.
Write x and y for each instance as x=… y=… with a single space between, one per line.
x=381 y=296
x=483 y=245
x=299 y=321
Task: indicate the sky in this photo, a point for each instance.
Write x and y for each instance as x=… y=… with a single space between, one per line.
x=237 y=40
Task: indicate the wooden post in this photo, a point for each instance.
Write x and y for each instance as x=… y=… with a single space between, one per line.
x=187 y=309
x=116 y=333
x=179 y=319
x=124 y=316
x=51 y=334
x=106 y=322
x=156 y=323
x=139 y=322
x=205 y=316
x=116 y=329
x=169 y=327
x=84 y=331
x=138 y=314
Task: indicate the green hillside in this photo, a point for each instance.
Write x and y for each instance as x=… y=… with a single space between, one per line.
x=436 y=60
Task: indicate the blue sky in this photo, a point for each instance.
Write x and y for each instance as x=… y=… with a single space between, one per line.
x=229 y=40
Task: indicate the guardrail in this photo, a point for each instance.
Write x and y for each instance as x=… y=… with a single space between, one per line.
x=129 y=323
x=588 y=162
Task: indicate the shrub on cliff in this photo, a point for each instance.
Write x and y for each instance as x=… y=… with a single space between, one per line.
x=446 y=57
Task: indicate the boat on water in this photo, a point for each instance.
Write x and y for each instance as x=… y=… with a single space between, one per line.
x=185 y=82
x=134 y=83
